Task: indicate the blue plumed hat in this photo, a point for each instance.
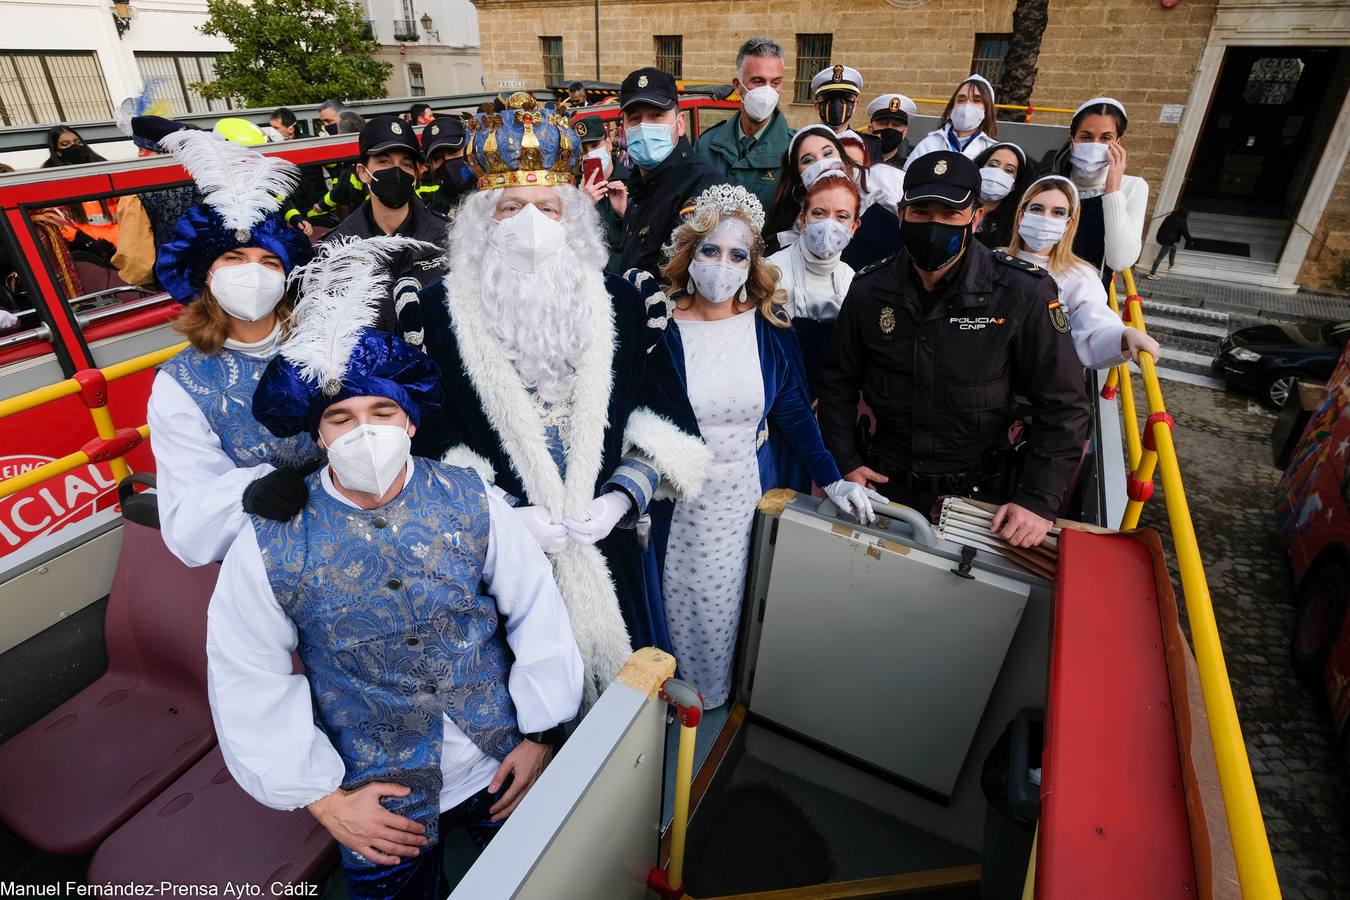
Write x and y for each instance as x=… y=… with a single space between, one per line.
x=241 y=191
x=525 y=144
x=334 y=352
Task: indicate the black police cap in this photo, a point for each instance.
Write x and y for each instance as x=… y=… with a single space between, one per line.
x=444 y=132
x=942 y=176
x=388 y=133
x=651 y=86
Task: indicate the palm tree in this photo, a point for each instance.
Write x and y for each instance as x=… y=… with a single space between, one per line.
x=1019 y=69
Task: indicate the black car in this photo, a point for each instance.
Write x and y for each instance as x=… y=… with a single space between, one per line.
x=1268 y=359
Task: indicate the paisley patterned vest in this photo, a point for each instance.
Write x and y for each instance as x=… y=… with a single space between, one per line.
x=394 y=629
x=222 y=385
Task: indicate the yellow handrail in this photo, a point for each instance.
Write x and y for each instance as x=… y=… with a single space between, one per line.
x=1251 y=848
x=1119 y=379
x=93 y=384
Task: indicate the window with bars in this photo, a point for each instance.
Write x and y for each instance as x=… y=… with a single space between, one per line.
x=49 y=86
x=991 y=52
x=670 y=54
x=179 y=72
x=417 y=85
x=813 y=54
x=553 y=59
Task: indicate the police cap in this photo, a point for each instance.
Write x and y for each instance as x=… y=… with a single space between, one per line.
x=942 y=176
x=651 y=86
x=589 y=129
x=388 y=133
x=444 y=133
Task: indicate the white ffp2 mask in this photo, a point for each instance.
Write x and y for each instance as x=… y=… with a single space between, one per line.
x=717 y=281
x=369 y=457
x=529 y=241
x=247 y=291
x=760 y=103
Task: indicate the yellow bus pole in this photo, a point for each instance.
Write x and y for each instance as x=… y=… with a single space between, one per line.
x=688 y=704
x=1120 y=378
x=37 y=475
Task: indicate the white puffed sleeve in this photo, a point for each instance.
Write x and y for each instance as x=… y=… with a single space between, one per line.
x=1123 y=214
x=1095 y=329
x=264 y=714
x=200 y=489
x=545 y=679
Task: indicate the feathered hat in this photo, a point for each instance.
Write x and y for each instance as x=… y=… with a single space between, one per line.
x=242 y=192
x=146 y=103
x=522 y=145
x=334 y=352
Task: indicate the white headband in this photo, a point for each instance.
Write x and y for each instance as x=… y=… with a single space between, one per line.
x=1062 y=183
x=984 y=81
x=1103 y=101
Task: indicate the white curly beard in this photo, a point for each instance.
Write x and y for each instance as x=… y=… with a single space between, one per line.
x=534 y=315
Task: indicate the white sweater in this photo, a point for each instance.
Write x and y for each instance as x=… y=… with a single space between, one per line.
x=1095 y=329
x=1123 y=213
x=815 y=287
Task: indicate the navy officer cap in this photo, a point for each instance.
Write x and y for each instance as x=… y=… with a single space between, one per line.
x=444 y=132
x=649 y=85
x=388 y=133
x=942 y=176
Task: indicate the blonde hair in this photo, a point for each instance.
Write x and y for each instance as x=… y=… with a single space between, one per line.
x=761 y=287
x=1061 y=258
x=207 y=326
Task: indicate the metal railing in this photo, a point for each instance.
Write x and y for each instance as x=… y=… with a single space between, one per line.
x=112 y=444
x=1155 y=450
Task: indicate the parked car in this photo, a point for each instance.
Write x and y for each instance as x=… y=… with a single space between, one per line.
x=1268 y=359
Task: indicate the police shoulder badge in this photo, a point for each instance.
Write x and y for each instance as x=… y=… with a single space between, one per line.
x=887 y=321
x=642 y=81
x=940 y=168
x=1057 y=317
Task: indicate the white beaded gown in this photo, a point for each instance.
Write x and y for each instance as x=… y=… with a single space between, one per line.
x=709 y=543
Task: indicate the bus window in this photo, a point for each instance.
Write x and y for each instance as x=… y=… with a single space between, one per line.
x=708 y=116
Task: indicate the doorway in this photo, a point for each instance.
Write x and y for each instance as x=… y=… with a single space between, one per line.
x=1272 y=111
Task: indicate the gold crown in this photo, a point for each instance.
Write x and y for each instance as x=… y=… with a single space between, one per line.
x=511 y=153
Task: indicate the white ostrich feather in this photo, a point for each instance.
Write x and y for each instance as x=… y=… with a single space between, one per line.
x=240 y=184
x=340 y=293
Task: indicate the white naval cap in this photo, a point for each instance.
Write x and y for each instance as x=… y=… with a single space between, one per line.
x=892 y=105
x=837 y=78
x=982 y=80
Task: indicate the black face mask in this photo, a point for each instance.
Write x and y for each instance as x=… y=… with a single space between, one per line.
x=932 y=245
x=331 y=129
x=77 y=154
x=890 y=140
x=456 y=176
x=836 y=111
x=393 y=186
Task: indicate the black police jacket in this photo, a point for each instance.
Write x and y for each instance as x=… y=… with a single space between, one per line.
x=941 y=380
x=402 y=316
x=655 y=199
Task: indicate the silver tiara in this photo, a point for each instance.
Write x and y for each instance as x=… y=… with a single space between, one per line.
x=727 y=198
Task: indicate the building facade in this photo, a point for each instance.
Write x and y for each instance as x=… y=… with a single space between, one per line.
x=1238 y=108
x=431 y=44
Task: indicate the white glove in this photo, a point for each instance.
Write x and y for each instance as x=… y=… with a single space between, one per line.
x=7 y=320
x=855 y=500
x=552 y=536
x=602 y=514
x=1133 y=340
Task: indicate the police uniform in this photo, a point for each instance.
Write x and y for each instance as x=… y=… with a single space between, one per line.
x=656 y=196
x=411 y=270
x=892 y=109
x=591 y=131
x=452 y=179
x=941 y=371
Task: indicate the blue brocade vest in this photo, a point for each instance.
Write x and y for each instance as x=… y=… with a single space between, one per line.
x=395 y=630
x=222 y=386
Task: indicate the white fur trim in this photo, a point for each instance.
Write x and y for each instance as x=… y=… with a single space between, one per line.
x=682 y=458
x=583 y=578
x=465 y=458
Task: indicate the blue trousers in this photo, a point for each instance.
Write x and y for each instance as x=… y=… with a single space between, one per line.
x=419 y=877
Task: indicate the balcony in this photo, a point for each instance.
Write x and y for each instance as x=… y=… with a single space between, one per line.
x=405 y=30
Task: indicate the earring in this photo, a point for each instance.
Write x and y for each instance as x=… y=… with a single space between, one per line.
x=743 y=294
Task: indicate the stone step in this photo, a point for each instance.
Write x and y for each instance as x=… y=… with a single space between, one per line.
x=1206 y=332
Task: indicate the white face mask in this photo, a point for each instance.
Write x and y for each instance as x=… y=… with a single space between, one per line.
x=826 y=238
x=247 y=291
x=530 y=241
x=369 y=457
x=717 y=282
x=606 y=161
x=760 y=103
x=813 y=172
x=1039 y=232
x=1089 y=159
x=967 y=116
x=995 y=184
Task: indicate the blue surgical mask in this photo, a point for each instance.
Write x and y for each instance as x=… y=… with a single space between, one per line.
x=649 y=144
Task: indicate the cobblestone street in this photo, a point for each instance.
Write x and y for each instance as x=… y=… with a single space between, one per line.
x=1303 y=783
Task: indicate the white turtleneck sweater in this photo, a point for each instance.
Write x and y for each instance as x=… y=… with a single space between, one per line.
x=815 y=287
x=1123 y=213
x=1096 y=331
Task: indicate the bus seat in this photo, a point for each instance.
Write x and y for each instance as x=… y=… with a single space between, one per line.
x=94 y=277
x=86 y=767
x=203 y=829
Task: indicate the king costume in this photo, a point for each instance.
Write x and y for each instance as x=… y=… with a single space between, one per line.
x=554 y=420
x=432 y=634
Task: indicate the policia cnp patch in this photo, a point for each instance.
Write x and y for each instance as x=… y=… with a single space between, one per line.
x=1058 y=318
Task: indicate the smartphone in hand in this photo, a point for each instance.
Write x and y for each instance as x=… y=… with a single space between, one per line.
x=592 y=170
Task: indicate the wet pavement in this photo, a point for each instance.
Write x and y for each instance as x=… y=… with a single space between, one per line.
x=1302 y=780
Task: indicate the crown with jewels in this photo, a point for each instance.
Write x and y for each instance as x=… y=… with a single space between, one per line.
x=523 y=145
x=730 y=199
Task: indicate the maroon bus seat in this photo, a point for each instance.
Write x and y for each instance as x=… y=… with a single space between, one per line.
x=203 y=829
x=90 y=764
